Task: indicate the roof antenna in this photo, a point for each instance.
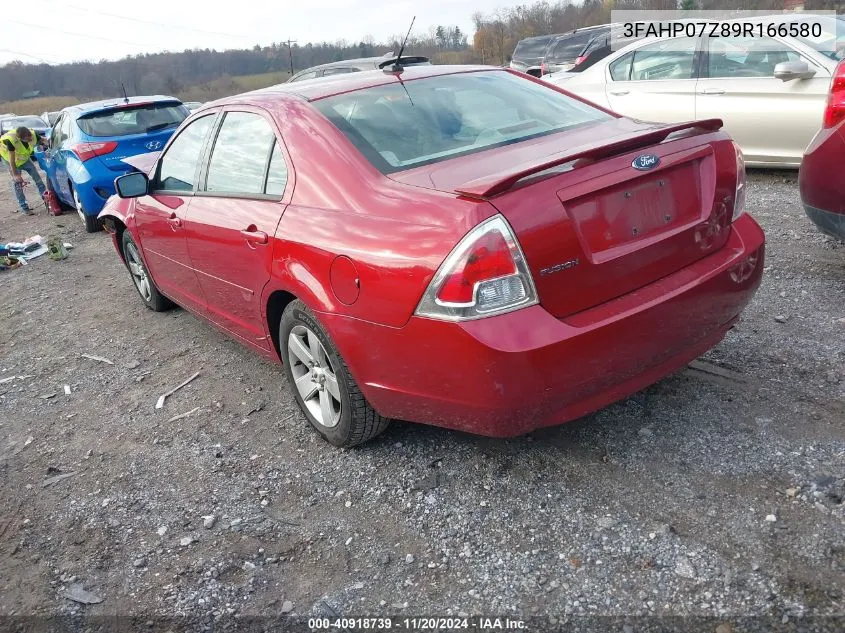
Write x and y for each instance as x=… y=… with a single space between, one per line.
x=125 y=98
x=396 y=67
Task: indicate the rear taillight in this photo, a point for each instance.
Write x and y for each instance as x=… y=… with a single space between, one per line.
x=485 y=274
x=834 y=113
x=739 y=195
x=580 y=60
x=87 y=151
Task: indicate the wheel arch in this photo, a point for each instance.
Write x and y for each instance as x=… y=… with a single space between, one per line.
x=275 y=306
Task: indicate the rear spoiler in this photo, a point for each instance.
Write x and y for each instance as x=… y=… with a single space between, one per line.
x=502 y=181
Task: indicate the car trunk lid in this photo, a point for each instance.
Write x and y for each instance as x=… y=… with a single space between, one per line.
x=594 y=227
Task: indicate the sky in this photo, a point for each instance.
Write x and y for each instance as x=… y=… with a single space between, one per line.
x=56 y=31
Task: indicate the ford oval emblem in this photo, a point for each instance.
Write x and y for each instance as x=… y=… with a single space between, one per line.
x=645 y=162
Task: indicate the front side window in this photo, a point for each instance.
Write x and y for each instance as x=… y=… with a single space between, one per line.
x=178 y=167
x=239 y=159
x=406 y=124
x=747 y=57
x=661 y=61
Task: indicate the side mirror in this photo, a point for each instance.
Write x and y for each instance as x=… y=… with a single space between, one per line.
x=132 y=185
x=787 y=71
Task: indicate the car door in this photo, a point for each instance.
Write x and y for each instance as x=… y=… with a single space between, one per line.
x=232 y=220
x=55 y=159
x=160 y=216
x=772 y=120
x=656 y=81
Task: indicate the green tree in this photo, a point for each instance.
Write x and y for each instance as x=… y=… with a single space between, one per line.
x=688 y=5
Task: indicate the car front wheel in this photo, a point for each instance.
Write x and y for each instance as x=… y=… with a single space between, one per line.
x=144 y=284
x=321 y=383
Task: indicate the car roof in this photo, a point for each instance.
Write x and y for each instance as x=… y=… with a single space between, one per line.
x=314 y=89
x=106 y=104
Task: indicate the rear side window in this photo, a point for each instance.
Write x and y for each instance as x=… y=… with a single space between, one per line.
x=178 y=168
x=133 y=119
x=534 y=47
x=340 y=70
x=400 y=126
x=239 y=159
x=277 y=174
x=570 y=47
x=309 y=75
x=663 y=60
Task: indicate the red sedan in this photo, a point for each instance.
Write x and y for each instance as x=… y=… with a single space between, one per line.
x=820 y=179
x=460 y=246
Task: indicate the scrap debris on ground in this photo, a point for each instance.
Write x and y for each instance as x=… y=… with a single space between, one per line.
x=717 y=492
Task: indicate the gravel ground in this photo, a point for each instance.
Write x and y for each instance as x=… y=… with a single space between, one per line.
x=713 y=497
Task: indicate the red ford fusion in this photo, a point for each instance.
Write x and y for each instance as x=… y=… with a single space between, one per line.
x=820 y=179
x=460 y=246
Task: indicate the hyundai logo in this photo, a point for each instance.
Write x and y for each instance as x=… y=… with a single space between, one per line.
x=154 y=145
x=645 y=162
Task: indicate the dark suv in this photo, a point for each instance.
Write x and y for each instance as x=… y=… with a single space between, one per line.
x=529 y=53
x=563 y=51
x=357 y=65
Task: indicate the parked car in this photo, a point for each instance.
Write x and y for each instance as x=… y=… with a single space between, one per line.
x=820 y=178
x=770 y=92
x=358 y=65
x=454 y=245
x=50 y=117
x=528 y=54
x=601 y=45
x=89 y=142
x=34 y=123
x=192 y=105
x=563 y=51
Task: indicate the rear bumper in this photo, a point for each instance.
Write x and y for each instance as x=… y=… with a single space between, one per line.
x=507 y=375
x=820 y=182
x=832 y=224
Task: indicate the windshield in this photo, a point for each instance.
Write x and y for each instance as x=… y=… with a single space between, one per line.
x=140 y=119
x=831 y=41
x=532 y=48
x=439 y=118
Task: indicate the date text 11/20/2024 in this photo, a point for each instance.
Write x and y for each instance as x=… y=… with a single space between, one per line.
x=417 y=624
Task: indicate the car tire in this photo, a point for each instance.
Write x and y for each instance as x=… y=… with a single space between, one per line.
x=141 y=278
x=93 y=224
x=344 y=417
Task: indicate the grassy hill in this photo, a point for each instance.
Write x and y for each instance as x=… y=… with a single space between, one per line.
x=221 y=87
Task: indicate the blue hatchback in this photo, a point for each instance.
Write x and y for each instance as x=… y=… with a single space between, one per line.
x=89 y=141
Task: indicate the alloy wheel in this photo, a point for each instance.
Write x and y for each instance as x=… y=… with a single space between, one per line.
x=314 y=376
x=138 y=272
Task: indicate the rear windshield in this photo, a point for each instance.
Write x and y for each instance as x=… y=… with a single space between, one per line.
x=533 y=47
x=439 y=118
x=569 y=47
x=830 y=41
x=133 y=119
x=24 y=121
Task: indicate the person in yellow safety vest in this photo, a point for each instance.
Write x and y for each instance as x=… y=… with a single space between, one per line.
x=16 y=151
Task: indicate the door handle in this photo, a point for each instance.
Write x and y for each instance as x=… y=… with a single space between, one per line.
x=713 y=91
x=619 y=93
x=253 y=236
x=175 y=222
